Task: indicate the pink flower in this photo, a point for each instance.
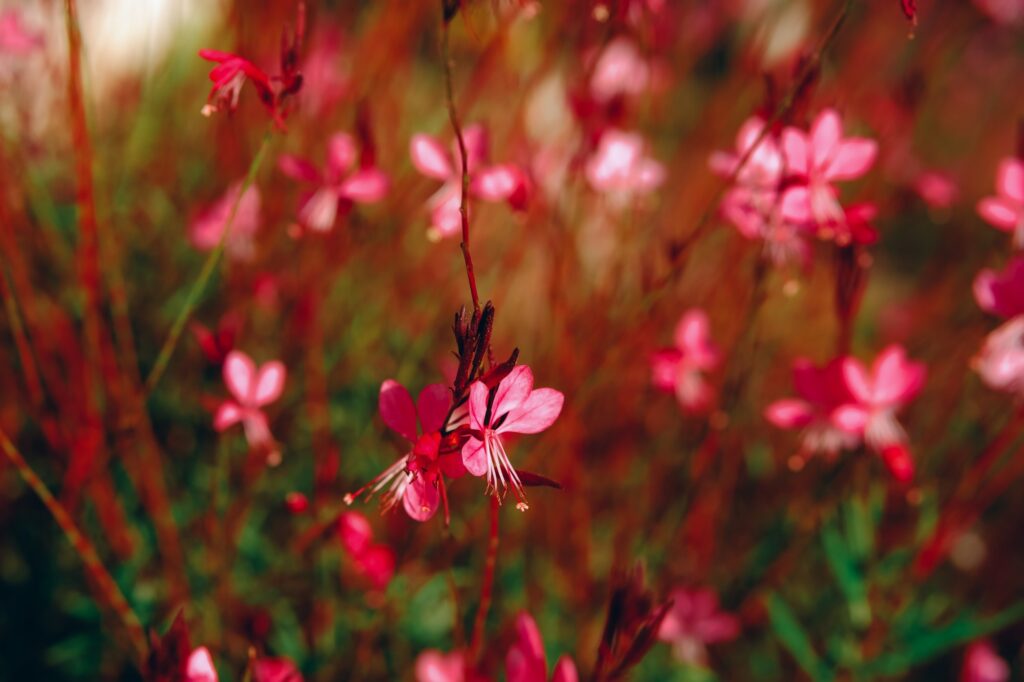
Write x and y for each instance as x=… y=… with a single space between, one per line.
x=820 y=159
x=936 y=188
x=526 y=661
x=324 y=82
x=878 y=394
x=821 y=390
x=1001 y=293
x=415 y=479
x=275 y=670
x=983 y=664
x=213 y=224
x=620 y=70
x=620 y=165
x=502 y=182
x=1008 y=12
x=252 y=389
x=679 y=370
x=1001 y=359
x=764 y=168
x=199 y=667
x=1005 y=211
x=435 y=666
x=374 y=561
x=228 y=78
x=339 y=182
x=15 y=38
x=513 y=407
x=694 y=621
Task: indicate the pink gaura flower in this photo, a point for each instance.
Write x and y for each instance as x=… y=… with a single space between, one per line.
x=215 y=223
x=878 y=394
x=679 y=370
x=764 y=168
x=415 y=479
x=501 y=182
x=1001 y=359
x=936 y=188
x=275 y=670
x=620 y=70
x=199 y=667
x=822 y=391
x=983 y=664
x=15 y=38
x=620 y=165
x=228 y=76
x=252 y=389
x=819 y=159
x=337 y=184
x=1001 y=293
x=1005 y=211
x=374 y=561
x=435 y=666
x=514 y=406
x=526 y=661
x=695 y=621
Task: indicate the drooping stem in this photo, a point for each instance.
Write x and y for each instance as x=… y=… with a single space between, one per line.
x=209 y=266
x=108 y=591
x=487 y=589
x=453 y=117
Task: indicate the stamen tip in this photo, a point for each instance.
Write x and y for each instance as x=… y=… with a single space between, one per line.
x=522 y=506
x=348 y=499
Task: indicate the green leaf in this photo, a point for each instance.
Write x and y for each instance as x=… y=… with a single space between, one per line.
x=793 y=637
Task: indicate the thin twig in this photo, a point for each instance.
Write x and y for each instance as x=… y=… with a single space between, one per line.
x=487 y=590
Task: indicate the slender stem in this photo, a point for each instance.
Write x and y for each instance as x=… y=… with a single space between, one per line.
x=487 y=589
x=109 y=592
x=209 y=265
x=463 y=208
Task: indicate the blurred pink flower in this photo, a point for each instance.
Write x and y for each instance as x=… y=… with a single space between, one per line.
x=217 y=343
x=1001 y=293
x=1001 y=359
x=252 y=389
x=679 y=370
x=275 y=670
x=209 y=227
x=1005 y=211
x=936 y=188
x=694 y=621
x=983 y=664
x=819 y=159
x=526 y=661
x=1007 y=12
x=764 y=168
x=620 y=70
x=516 y=407
x=228 y=78
x=501 y=182
x=199 y=667
x=620 y=165
x=376 y=562
x=324 y=82
x=435 y=666
x=339 y=182
x=15 y=38
x=821 y=390
x=877 y=395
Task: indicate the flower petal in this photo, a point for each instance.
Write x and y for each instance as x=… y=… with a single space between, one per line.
x=474 y=457
x=239 y=376
x=794 y=147
x=1000 y=212
x=526 y=661
x=496 y=183
x=853 y=158
x=856 y=379
x=850 y=418
x=269 y=383
x=429 y=157
x=565 y=671
x=298 y=168
x=789 y=413
x=341 y=154
x=364 y=186
x=421 y=499
x=432 y=405
x=397 y=409
x=1010 y=179
x=826 y=133
x=512 y=391
x=200 y=666
x=539 y=411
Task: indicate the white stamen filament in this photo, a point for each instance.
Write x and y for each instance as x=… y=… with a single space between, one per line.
x=396 y=478
x=500 y=471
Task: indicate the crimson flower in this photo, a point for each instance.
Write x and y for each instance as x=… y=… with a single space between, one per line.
x=373 y=560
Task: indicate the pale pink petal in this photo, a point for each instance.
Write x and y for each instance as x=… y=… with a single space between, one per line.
x=397 y=409
x=355 y=532
x=565 y=671
x=850 y=418
x=429 y=157
x=364 y=186
x=421 y=499
x=239 y=375
x=853 y=158
x=789 y=413
x=320 y=209
x=474 y=457
x=526 y=661
x=826 y=132
x=496 y=183
x=649 y=174
x=445 y=216
x=512 y=391
x=269 y=383
x=693 y=338
x=794 y=147
x=719 y=627
x=1010 y=179
x=983 y=290
x=1000 y=212
x=432 y=406
x=536 y=413
x=722 y=163
x=200 y=666
x=477 y=404
x=983 y=664
x=341 y=154
x=227 y=415
x=856 y=379
x=298 y=168
x=433 y=666
x=475 y=137
x=895 y=379
x=796 y=205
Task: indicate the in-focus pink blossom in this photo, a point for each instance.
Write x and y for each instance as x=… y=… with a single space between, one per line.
x=621 y=166
x=1001 y=293
x=339 y=182
x=822 y=390
x=15 y=37
x=526 y=660
x=878 y=394
x=275 y=670
x=695 y=621
x=215 y=223
x=983 y=664
x=818 y=160
x=620 y=70
x=252 y=388
x=199 y=667
x=500 y=182
x=1005 y=211
x=680 y=370
x=515 y=406
x=1000 y=362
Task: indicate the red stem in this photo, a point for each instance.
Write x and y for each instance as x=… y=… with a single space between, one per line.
x=487 y=590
